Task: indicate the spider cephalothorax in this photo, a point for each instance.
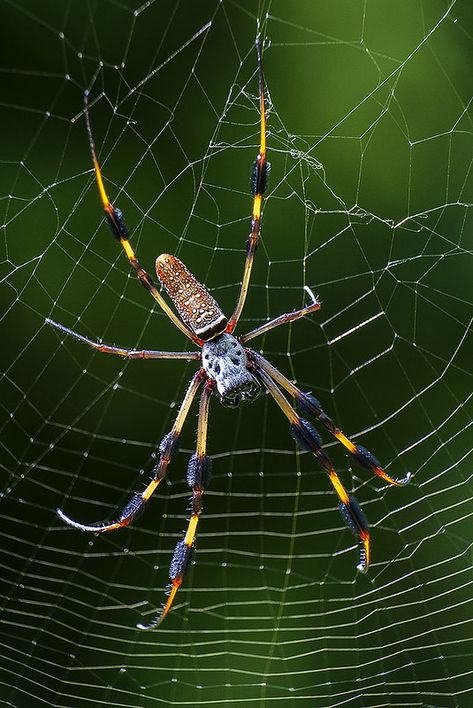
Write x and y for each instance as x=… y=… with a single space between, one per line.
x=225 y=362
x=236 y=372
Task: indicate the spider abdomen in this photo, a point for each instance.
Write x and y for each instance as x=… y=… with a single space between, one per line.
x=225 y=362
x=196 y=306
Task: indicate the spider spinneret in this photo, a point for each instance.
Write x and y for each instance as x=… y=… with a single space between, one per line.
x=237 y=372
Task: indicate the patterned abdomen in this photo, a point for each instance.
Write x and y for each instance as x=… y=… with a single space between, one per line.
x=197 y=308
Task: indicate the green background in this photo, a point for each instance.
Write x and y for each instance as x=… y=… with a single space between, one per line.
x=369 y=136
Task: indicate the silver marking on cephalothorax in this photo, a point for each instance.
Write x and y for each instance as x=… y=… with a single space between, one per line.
x=225 y=361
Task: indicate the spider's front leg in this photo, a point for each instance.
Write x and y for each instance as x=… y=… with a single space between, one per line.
x=310 y=406
x=309 y=440
x=198 y=478
x=168 y=446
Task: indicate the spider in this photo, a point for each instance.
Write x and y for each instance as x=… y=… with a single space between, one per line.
x=226 y=367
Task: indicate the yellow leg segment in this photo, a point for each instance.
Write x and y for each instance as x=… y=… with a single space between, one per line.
x=258 y=186
x=198 y=475
x=310 y=406
x=308 y=439
x=191 y=530
x=119 y=230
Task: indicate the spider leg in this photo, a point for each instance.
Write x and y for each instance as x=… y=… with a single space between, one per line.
x=167 y=449
x=259 y=181
x=308 y=439
x=119 y=230
x=130 y=353
x=283 y=319
x=198 y=477
x=309 y=405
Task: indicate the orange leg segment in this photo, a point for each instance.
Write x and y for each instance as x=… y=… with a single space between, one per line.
x=198 y=477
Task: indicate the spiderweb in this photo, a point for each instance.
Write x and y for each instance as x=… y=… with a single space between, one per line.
x=371 y=148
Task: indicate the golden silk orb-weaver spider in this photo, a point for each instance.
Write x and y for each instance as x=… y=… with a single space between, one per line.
x=228 y=367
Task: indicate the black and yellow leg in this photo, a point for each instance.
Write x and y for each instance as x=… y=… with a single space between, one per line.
x=129 y=353
x=282 y=319
x=198 y=478
x=167 y=448
x=119 y=230
x=310 y=406
x=308 y=439
x=259 y=181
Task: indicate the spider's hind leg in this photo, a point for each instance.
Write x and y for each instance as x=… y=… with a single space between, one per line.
x=259 y=181
x=198 y=478
x=119 y=230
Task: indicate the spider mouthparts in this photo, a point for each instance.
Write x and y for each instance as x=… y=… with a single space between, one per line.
x=240 y=394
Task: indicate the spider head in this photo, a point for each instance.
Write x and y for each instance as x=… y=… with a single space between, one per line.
x=225 y=362
x=245 y=389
